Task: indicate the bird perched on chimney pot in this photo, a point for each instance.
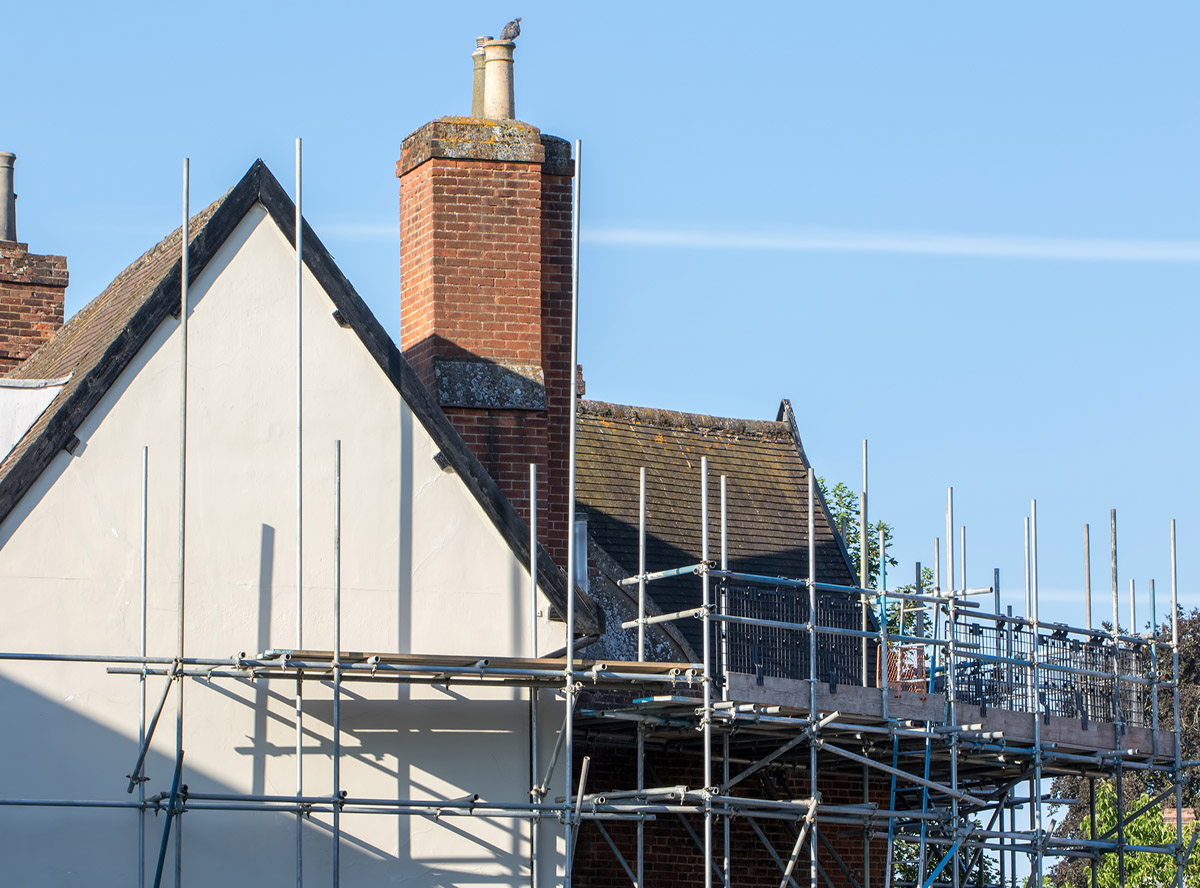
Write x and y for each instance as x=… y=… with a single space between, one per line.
x=512 y=30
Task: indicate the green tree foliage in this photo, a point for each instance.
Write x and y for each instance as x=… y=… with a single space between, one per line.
x=1142 y=869
x=843 y=509
x=1139 y=786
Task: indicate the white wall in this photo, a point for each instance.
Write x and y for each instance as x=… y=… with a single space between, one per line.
x=423 y=570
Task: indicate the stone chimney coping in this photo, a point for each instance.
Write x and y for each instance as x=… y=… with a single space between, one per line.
x=469 y=138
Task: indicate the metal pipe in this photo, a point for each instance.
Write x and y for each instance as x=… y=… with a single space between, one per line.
x=864 y=561
x=583 y=776
x=952 y=667
x=883 y=659
x=1092 y=820
x=620 y=858
x=707 y=657
x=146 y=736
x=812 y=659
x=727 y=875
x=299 y=708
x=665 y=618
x=1153 y=673
x=641 y=727
x=172 y=815
x=184 y=274
x=142 y=679
x=1037 y=721
x=1177 y=731
x=641 y=572
x=1030 y=693
x=337 y=661
x=762 y=837
x=533 y=652
x=962 y=557
x=663 y=574
x=791 y=864
x=569 y=671
x=1087 y=574
x=903 y=775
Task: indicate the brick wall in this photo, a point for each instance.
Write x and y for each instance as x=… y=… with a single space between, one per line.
x=485 y=229
x=32 y=292
x=672 y=857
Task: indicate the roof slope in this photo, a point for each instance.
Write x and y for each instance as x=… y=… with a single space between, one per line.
x=99 y=342
x=85 y=340
x=767 y=492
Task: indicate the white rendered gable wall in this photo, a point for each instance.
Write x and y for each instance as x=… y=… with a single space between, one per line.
x=423 y=570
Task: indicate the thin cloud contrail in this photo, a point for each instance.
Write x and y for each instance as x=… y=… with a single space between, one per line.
x=820 y=240
x=925 y=244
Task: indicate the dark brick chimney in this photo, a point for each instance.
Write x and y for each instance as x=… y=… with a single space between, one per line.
x=32 y=287
x=485 y=235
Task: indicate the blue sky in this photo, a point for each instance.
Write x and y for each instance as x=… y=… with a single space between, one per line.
x=968 y=233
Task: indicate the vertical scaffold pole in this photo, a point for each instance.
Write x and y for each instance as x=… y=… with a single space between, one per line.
x=935 y=655
x=883 y=660
x=183 y=387
x=641 y=725
x=1118 y=714
x=1087 y=575
x=1178 y=734
x=724 y=672
x=1153 y=671
x=885 y=665
x=299 y=507
x=1037 y=718
x=1095 y=862
x=534 y=822
x=951 y=673
x=707 y=654
x=337 y=662
x=812 y=667
x=922 y=847
x=641 y=564
x=142 y=677
x=1030 y=693
x=569 y=671
x=864 y=562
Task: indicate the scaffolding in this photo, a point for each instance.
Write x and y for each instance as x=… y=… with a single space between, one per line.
x=951 y=727
x=954 y=781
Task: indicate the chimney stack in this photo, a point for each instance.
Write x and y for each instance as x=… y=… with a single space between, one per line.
x=8 y=198
x=32 y=287
x=485 y=259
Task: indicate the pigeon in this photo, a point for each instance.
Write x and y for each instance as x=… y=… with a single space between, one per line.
x=512 y=30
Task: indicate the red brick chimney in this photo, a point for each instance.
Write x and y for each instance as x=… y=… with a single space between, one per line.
x=485 y=235
x=32 y=287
